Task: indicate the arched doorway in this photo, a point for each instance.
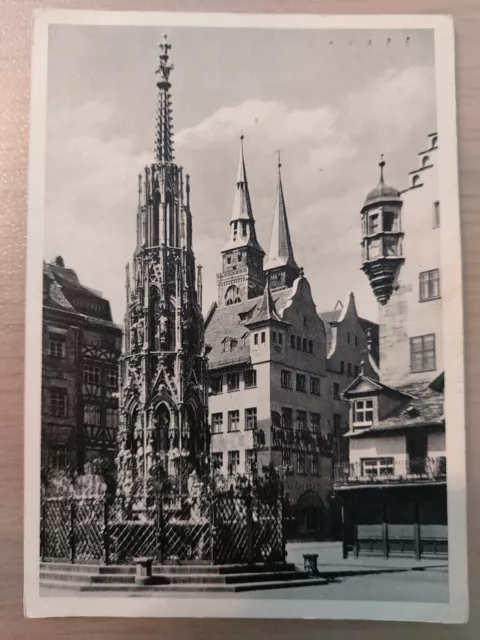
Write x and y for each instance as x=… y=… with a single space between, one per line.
x=310 y=515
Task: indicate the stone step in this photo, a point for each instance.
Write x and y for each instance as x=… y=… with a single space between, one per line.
x=167 y=568
x=171 y=578
x=182 y=588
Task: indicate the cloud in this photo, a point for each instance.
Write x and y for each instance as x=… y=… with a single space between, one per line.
x=329 y=157
x=270 y=122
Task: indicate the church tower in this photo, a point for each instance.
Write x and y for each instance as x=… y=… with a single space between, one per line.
x=242 y=276
x=163 y=400
x=281 y=269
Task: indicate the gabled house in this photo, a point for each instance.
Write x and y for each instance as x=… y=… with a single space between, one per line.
x=393 y=488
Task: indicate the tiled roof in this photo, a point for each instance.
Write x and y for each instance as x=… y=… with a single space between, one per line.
x=424 y=409
x=63 y=291
x=229 y=322
x=327 y=318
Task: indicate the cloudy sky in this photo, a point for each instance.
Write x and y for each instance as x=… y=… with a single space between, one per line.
x=332 y=101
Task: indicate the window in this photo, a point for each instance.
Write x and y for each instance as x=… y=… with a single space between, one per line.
x=378 y=467
x=292 y=342
x=280 y=338
x=216 y=384
x=363 y=412
x=217 y=462
x=232 y=295
x=233 y=420
x=58 y=403
x=301 y=466
x=286 y=379
x=255 y=339
x=235 y=229
x=436 y=215
x=315 y=422
x=244 y=233
x=233 y=462
x=299 y=343
x=301 y=382
x=239 y=258
x=314 y=470
x=373 y=224
x=390 y=221
x=422 y=353
x=250 y=378
x=251 y=418
x=57 y=348
x=349 y=369
x=233 y=381
x=263 y=336
x=217 y=422
x=348 y=337
x=336 y=391
x=111 y=416
x=310 y=346
x=356 y=341
x=415 y=180
x=342 y=366
x=429 y=285
x=250 y=460
x=301 y=420
x=315 y=386
x=356 y=370
x=91 y=374
x=274 y=337
x=111 y=376
x=286 y=457
x=304 y=344
x=91 y=414
x=425 y=161
x=287 y=418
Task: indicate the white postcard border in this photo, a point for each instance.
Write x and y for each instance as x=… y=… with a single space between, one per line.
x=457 y=609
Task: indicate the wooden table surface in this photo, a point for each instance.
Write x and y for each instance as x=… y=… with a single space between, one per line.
x=15 y=40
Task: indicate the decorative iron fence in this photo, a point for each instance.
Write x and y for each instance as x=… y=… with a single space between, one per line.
x=390 y=470
x=218 y=530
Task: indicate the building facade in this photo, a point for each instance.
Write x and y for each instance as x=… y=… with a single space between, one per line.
x=394 y=487
x=272 y=399
x=81 y=348
x=163 y=404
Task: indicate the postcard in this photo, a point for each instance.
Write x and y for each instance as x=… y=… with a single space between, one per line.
x=244 y=295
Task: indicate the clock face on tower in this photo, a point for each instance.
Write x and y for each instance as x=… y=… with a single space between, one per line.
x=232 y=295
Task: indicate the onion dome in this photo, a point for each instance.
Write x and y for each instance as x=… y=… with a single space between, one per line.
x=382 y=191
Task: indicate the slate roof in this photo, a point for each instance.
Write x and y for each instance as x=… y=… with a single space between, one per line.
x=423 y=410
x=229 y=322
x=64 y=292
x=327 y=318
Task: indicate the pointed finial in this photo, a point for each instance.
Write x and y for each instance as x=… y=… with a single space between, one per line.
x=139 y=189
x=381 y=164
x=301 y=272
x=279 y=158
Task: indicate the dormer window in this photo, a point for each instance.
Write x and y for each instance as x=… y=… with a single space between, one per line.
x=363 y=412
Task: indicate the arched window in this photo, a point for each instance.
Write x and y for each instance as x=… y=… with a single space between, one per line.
x=342 y=366
x=415 y=180
x=162 y=420
x=232 y=295
x=154 y=320
x=425 y=160
x=434 y=142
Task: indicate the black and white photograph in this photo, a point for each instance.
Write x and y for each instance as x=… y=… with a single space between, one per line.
x=244 y=291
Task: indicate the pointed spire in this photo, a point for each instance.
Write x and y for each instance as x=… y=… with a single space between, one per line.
x=164 y=142
x=266 y=311
x=280 y=253
x=242 y=206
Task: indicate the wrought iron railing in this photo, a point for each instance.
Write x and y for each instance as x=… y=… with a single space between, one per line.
x=219 y=529
x=390 y=470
